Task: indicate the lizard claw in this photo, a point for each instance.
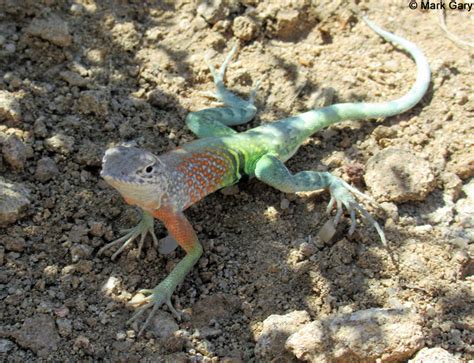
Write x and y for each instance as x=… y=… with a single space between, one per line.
x=156 y=297
x=144 y=227
x=255 y=87
x=341 y=196
x=218 y=75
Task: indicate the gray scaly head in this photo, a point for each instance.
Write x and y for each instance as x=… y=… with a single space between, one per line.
x=137 y=174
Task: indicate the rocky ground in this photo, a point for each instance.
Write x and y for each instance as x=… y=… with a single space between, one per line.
x=79 y=76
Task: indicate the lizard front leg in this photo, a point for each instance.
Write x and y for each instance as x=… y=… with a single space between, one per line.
x=272 y=171
x=181 y=230
x=144 y=227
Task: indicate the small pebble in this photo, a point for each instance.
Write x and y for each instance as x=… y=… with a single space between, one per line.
x=15 y=152
x=76 y=9
x=60 y=143
x=284 y=204
x=245 y=28
x=9 y=106
x=6 y=345
x=52 y=29
x=46 y=170
x=327 y=231
x=232 y=190
x=64 y=327
x=17 y=244
x=39 y=128
x=10 y=48
x=308 y=249
x=121 y=336
x=97 y=229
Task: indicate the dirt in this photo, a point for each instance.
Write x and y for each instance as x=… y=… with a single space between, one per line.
x=82 y=76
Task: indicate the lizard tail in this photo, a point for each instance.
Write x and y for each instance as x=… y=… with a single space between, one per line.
x=315 y=120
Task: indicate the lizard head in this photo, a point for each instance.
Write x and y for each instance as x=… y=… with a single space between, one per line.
x=137 y=174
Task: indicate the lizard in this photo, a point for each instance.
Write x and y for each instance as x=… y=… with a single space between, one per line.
x=164 y=186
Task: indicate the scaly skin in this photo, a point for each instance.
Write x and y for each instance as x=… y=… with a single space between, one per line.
x=163 y=187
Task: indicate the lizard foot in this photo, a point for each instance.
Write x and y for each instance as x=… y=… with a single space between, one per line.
x=144 y=227
x=218 y=75
x=158 y=296
x=342 y=195
x=255 y=87
x=228 y=98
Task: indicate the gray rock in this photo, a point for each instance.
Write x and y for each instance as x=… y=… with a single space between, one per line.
x=468 y=189
x=78 y=233
x=175 y=358
x=6 y=345
x=12 y=79
x=53 y=29
x=76 y=9
x=452 y=184
x=13 y=202
x=160 y=99
x=391 y=335
x=465 y=207
x=83 y=343
x=39 y=128
x=307 y=249
x=15 y=152
x=46 y=170
x=90 y=154
x=39 y=334
x=434 y=355
x=287 y=21
x=395 y=175
x=15 y=244
x=284 y=204
x=223 y=307
x=111 y=286
x=74 y=79
x=64 y=326
x=232 y=190
x=10 y=48
x=9 y=107
x=80 y=251
x=97 y=229
x=213 y=11
x=167 y=245
x=462 y=164
x=93 y=102
x=245 y=28
x=126 y=35
x=163 y=325
x=276 y=330
x=436 y=213
x=465 y=213
x=327 y=231
x=60 y=143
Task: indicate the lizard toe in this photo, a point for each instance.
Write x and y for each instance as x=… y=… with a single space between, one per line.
x=155 y=299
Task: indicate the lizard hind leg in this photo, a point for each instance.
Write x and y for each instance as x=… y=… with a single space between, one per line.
x=215 y=122
x=228 y=98
x=272 y=171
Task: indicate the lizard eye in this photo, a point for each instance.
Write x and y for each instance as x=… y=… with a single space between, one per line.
x=149 y=169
